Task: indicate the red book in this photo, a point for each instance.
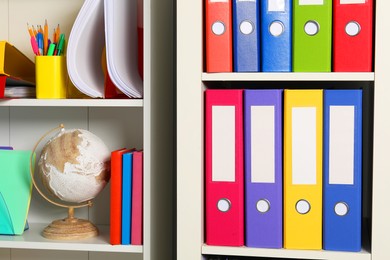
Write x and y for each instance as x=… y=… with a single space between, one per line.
x=219 y=42
x=352 y=35
x=137 y=199
x=116 y=196
x=224 y=168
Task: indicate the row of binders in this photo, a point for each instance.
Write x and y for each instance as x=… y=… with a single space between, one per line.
x=289 y=35
x=126 y=197
x=283 y=168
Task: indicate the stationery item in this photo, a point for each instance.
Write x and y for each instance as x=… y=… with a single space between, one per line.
x=342 y=170
x=60 y=46
x=14 y=175
x=116 y=196
x=45 y=38
x=50 y=52
x=263 y=168
x=312 y=35
x=137 y=199
x=40 y=43
x=246 y=33
x=51 y=77
x=34 y=45
x=15 y=67
x=6 y=148
x=352 y=35
x=224 y=168
x=219 y=44
x=276 y=35
x=127 y=172
x=19 y=92
x=303 y=169
x=110 y=90
x=85 y=45
x=122 y=50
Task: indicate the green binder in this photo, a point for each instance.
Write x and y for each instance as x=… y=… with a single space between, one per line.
x=15 y=189
x=312 y=36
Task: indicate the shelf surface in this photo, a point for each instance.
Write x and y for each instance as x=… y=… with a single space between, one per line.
x=32 y=239
x=285 y=253
x=72 y=102
x=290 y=76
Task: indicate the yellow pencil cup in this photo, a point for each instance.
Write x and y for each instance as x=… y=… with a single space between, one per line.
x=51 y=77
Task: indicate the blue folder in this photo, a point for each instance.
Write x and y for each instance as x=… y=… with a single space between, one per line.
x=276 y=36
x=342 y=170
x=246 y=33
x=127 y=172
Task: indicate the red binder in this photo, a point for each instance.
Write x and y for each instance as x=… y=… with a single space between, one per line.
x=116 y=196
x=352 y=35
x=137 y=201
x=219 y=49
x=224 y=168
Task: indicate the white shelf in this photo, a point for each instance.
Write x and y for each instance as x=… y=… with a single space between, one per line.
x=290 y=76
x=32 y=239
x=285 y=253
x=72 y=102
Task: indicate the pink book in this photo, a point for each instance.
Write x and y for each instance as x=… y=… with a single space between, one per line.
x=137 y=199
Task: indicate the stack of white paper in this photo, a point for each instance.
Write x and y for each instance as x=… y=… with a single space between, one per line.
x=105 y=22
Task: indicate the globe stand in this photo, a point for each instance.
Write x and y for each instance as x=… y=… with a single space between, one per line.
x=70 y=228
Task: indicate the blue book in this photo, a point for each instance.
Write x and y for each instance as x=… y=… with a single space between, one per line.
x=276 y=36
x=127 y=172
x=342 y=170
x=246 y=33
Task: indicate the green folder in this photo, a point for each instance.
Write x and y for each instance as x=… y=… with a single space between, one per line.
x=312 y=36
x=15 y=189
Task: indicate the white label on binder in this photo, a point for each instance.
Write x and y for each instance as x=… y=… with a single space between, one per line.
x=341 y=144
x=344 y=2
x=276 y=5
x=263 y=144
x=223 y=143
x=311 y=2
x=304 y=152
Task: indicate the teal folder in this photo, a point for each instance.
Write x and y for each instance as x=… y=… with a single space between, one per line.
x=15 y=189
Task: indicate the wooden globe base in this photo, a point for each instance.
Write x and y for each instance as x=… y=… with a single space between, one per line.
x=70 y=228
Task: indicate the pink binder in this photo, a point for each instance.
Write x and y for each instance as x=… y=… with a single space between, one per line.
x=224 y=168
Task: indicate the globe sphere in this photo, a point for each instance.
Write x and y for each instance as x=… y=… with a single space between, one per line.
x=75 y=165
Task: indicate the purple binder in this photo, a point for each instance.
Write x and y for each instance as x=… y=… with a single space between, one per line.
x=263 y=168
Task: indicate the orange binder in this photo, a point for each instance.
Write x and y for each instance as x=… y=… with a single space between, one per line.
x=116 y=196
x=219 y=42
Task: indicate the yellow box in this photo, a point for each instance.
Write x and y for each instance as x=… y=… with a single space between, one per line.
x=51 y=77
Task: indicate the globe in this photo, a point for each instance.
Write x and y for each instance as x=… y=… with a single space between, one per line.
x=74 y=165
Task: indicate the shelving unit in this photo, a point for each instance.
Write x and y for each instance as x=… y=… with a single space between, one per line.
x=191 y=83
x=119 y=123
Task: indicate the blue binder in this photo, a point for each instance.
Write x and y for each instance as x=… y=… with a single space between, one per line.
x=342 y=170
x=127 y=173
x=246 y=33
x=276 y=22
